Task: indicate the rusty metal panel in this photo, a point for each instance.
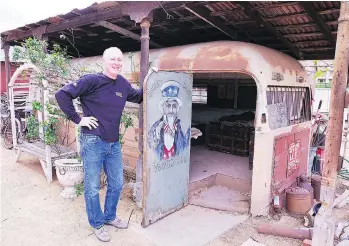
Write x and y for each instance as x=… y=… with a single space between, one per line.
x=304 y=138
x=167 y=124
x=290 y=158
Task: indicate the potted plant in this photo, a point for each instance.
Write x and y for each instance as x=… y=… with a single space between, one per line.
x=70 y=174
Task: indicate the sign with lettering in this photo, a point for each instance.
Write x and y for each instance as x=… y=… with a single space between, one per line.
x=293 y=158
x=167 y=124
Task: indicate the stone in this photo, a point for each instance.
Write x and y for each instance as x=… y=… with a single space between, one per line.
x=306 y=242
x=251 y=242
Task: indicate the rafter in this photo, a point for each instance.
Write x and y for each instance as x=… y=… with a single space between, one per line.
x=304 y=25
x=75 y=22
x=204 y=14
x=275 y=5
x=320 y=23
x=305 y=35
x=125 y=32
x=287 y=16
x=314 y=42
x=254 y=15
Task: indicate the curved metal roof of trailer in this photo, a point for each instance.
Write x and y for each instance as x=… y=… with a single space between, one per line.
x=219 y=56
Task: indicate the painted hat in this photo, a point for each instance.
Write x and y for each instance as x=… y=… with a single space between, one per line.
x=170 y=91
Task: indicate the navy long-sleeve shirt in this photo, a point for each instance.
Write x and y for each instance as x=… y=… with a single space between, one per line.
x=101 y=97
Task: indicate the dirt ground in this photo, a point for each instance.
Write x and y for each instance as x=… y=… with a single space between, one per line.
x=33 y=213
x=247 y=229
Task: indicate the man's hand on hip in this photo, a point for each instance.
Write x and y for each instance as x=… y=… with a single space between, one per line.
x=89 y=122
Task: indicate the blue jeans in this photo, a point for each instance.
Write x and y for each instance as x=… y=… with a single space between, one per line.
x=97 y=154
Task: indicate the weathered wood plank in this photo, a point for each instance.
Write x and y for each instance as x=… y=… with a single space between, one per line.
x=72 y=23
x=38 y=149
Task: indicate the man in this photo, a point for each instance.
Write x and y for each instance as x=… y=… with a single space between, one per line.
x=103 y=97
x=166 y=137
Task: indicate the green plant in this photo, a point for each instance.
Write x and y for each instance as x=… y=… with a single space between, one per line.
x=32 y=131
x=79 y=189
x=50 y=125
x=50 y=128
x=125 y=122
x=37 y=106
x=321 y=73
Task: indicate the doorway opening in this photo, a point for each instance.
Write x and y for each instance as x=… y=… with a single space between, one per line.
x=221 y=159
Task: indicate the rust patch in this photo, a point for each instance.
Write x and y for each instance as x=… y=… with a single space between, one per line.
x=278 y=59
x=170 y=60
x=223 y=57
x=299 y=128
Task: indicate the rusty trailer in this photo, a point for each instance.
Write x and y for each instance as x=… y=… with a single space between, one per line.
x=279 y=88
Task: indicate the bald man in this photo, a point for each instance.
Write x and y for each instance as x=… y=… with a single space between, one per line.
x=103 y=97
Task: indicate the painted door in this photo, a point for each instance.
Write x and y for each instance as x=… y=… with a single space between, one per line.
x=167 y=132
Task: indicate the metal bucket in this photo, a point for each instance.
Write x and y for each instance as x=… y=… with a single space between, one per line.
x=298 y=201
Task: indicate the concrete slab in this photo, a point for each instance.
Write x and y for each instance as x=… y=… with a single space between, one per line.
x=205 y=163
x=221 y=198
x=190 y=226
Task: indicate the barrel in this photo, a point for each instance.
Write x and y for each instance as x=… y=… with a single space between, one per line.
x=298 y=201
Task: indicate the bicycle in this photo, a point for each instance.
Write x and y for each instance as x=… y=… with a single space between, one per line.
x=6 y=125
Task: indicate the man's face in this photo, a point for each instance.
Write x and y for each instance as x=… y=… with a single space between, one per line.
x=113 y=63
x=171 y=108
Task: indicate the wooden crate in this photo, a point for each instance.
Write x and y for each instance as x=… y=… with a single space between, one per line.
x=228 y=137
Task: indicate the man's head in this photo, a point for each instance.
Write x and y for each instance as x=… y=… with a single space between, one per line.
x=112 y=58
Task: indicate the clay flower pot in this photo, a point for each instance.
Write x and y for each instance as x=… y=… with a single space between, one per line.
x=69 y=173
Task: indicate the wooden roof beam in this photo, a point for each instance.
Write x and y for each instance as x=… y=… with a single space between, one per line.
x=305 y=35
x=70 y=41
x=254 y=15
x=275 y=5
x=204 y=14
x=304 y=25
x=281 y=17
x=313 y=42
x=320 y=23
x=125 y=32
x=319 y=56
x=75 y=22
x=78 y=49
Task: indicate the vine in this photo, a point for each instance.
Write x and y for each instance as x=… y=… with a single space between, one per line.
x=125 y=122
x=50 y=126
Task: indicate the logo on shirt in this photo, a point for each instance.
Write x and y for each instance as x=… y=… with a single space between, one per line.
x=119 y=94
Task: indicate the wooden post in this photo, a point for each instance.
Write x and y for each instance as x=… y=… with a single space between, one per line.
x=324 y=223
x=7 y=65
x=144 y=67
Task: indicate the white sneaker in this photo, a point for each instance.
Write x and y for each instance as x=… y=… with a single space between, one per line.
x=120 y=224
x=102 y=234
